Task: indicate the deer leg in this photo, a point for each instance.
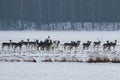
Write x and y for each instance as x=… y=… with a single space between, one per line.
x=48 y=48
x=25 y=46
x=8 y=48
x=70 y=47
x=20 y=47
x=29 y=46
x=103 y=48
x=37 y=48
x=2 y=47
x=108 y=47
x=114 y=48
x=42 y=48
x=94 y=47
x=52 y=48
x=87 y=47
x=75 y=49
x=15 y=48
x=64 y=47
x=83 y=48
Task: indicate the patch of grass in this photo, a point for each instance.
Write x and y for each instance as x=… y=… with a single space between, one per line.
x=14 y=60
x=63 y=60
x=115 y=60
x=90 y=60
x=74 y=60
x=30 y=60
x=47 y=60
x=98 y=59
x=102 y=59
x=68 y=60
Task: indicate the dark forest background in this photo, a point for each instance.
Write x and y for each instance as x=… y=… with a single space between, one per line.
x=59 y=14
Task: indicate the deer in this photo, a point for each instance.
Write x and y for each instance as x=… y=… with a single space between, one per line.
x=6 y=44
x=26 y=43
x=13 y=44
x=55 y=44
x=96 y=44
x=107 y=45
x=47 y=45
x=113 y=44
x=74 y=44
x=40 y=45
x=67 y=45
x=86 y=45
x=18 y=45
x=44 y=45
x=32 y=44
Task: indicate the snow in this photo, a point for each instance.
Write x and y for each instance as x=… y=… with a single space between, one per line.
x=59 y=35
x=59 y=71
x=14 y=67
x=60 y=53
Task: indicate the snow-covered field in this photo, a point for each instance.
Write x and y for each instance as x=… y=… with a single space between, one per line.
x=18 y=65
x=59 y=35
x=59 y=71
x=59 y=54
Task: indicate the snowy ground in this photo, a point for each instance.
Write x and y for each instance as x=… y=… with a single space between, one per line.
x=59 y=35
x=18 y=65
x=58 y=54
x=59 y=71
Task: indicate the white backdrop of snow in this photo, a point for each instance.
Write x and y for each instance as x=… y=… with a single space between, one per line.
x=57 y=71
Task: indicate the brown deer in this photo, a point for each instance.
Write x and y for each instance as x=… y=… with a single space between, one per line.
x=55 y=44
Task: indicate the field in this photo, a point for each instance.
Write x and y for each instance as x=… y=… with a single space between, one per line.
x=59 y=71
x=59 y=54
x=32 y=64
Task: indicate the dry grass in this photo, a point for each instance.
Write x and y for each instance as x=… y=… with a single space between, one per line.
x=98 y=59
x=63 y=60
x=14 y=60
x=68 y=60
x=30 y=60
x=47 y=60
x=102 y=59
x=72 y=60
x=91 y=60
x=11 y=60
x=115 y=60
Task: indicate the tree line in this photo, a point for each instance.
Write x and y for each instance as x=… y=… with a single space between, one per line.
x=59 y=14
